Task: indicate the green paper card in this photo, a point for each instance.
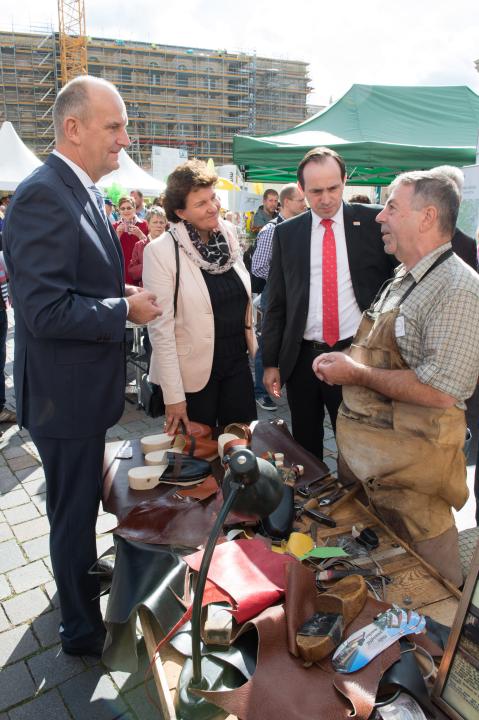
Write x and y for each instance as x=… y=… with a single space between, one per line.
x=325 y=552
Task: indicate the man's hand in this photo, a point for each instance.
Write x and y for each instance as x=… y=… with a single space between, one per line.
x=142 y=307
x=272 y=382
x=174 y=415
x=337 y=368
x=133 y=290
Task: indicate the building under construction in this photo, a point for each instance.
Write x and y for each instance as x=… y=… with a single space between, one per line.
x=189 y=98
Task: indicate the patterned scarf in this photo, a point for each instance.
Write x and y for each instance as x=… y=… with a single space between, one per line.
x=217 y=256
x=215 y=251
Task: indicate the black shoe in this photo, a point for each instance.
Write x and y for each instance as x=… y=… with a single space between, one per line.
x=87 y=645
x=94 y=649
x=266 y=403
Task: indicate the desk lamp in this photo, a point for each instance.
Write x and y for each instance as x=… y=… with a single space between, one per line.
x=253 y=487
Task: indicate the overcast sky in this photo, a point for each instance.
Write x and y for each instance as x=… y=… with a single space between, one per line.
x=410 y=42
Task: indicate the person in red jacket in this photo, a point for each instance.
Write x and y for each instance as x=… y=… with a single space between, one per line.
x=129 y=229
x=157 y=224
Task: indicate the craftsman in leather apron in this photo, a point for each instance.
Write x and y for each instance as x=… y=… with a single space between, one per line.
x=409 y=458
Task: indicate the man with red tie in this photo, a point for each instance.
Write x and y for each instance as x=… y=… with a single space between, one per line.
x=327 y=266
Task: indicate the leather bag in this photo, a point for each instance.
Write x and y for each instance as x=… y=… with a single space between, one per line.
x=274 y=436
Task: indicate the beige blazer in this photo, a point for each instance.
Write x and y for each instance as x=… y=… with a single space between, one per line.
x=182 y=346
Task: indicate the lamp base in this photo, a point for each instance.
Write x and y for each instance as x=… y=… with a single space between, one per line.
x=215 y=675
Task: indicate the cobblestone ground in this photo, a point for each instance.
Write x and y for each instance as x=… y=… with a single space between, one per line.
x=37 y=681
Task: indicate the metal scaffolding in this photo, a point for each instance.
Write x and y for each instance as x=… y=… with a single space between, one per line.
x=190 y=98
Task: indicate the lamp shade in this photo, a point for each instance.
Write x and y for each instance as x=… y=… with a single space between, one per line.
x=262 y=488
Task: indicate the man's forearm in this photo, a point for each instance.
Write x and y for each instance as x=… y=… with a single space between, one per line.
x=403 y=385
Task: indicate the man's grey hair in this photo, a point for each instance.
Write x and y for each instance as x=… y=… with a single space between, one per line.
x=452 y=172
x=74 y=100
x=288 y=192
x=438 y=189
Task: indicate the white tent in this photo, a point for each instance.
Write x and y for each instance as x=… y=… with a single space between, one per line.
x=131 y=176
x=16 y=160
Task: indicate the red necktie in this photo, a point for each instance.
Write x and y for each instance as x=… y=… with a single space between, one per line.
x=330 y=286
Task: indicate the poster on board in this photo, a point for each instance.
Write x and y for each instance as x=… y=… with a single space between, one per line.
x=468 y=219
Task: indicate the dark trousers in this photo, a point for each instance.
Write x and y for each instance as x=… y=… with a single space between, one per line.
x=259 y=389
x=3 y=353
x=73 y=473
x=308 y=396
x=227 y=397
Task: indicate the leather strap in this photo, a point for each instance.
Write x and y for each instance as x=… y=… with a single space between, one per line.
x=177 y=465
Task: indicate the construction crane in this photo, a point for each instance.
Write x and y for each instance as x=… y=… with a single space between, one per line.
x=73 y=40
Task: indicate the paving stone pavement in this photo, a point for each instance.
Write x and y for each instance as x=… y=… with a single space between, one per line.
x=37 y=681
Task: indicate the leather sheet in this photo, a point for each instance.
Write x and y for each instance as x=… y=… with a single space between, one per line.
x=168 y=521
x=146 y=576
x=282 y=689
x=249 y=572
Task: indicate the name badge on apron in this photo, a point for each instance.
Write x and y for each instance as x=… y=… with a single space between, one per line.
x=399 y=326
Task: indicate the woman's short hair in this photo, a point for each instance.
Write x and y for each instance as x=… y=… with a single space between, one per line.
x=127 y=199
x=155 y=211
x=192 y=175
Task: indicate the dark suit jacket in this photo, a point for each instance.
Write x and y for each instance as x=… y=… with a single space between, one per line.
x=288 y=282
x=67 y=281
x=465 y=247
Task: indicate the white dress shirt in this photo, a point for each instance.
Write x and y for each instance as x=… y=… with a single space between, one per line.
x=80 y=173
x=348 y=309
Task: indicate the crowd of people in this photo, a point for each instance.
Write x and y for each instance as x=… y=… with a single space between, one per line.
x=368 y=313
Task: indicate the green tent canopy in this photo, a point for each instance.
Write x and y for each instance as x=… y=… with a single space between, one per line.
x=379 y=130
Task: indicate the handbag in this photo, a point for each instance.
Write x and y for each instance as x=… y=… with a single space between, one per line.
x=151 y=394
x=151 y=397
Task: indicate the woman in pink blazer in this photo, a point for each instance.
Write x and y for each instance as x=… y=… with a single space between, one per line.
x=200 y=356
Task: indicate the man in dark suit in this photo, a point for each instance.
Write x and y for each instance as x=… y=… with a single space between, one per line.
x=327 y=267
x=66 y=276
x=465 y=247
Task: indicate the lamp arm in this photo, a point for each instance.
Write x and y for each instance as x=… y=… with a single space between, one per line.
x=201 y=582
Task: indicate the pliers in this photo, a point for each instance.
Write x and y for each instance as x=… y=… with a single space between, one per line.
x=322 y=502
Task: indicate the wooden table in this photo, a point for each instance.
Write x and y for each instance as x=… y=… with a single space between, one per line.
x=414 y=584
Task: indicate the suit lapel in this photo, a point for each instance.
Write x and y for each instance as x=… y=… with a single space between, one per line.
x=303 y=248
x=352 y=231
x=91 y=212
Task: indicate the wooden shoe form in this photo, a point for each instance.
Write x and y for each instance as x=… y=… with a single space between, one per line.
x=158 y=457
x=164 y=441
x=345 y=600
x=239 y=429
x=208 y=452
x=149 y=443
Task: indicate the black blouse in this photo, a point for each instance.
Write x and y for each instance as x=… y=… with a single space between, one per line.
x=229 y=300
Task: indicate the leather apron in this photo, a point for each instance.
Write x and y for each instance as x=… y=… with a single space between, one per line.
x=409 y=458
